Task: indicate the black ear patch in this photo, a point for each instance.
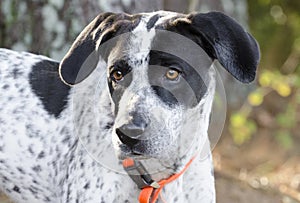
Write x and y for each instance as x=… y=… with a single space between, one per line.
x=83 y=57
x=222 y=38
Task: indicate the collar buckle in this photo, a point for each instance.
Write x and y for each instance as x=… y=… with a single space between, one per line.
x=138 y=173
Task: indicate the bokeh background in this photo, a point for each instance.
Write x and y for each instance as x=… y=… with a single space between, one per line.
x=258 y=156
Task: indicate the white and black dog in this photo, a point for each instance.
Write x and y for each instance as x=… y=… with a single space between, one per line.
x=136 y=87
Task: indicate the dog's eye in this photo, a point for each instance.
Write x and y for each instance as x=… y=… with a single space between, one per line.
x=117 y=75
x=172 y=74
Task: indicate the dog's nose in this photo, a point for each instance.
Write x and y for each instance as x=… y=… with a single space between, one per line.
x=129 y=134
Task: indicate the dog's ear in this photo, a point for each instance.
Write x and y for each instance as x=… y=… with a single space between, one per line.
x=83 y=56
x=222 y=38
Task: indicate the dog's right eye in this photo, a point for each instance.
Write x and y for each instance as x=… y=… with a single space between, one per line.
x=117 y=75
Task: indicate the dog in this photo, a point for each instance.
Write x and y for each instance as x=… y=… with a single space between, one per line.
x=124 y=115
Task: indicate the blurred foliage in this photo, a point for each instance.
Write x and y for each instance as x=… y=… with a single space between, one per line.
x=241 y=127
x=276 y=26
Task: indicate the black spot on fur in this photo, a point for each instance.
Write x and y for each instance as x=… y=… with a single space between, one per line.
x=21 y=90
x=35 y=182
x=21 y=170
x=66 y=139
x=46 y=84
x=37 y=168
x=33 y=191
x=30 y=150
x=86 y=186
x=109 y=125
x=187 y=196
x=16 y=189
x=101 y=186
x=41 y=155
x=16 y=73
x=5 y=178
x=152 y=21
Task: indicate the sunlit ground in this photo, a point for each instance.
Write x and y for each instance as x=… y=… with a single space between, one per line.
x=263 y=165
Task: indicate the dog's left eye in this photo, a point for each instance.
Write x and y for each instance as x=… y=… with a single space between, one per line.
x=117 y=75
x=172 y=74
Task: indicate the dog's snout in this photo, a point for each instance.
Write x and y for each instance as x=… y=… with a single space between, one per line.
x=129 y=134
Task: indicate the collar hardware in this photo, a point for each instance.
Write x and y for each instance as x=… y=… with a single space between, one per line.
x=138 y=173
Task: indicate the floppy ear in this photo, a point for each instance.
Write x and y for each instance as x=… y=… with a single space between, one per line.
x=83 y=56
x=223 y=39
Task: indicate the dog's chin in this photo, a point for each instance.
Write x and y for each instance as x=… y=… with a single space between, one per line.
x=125 y=152
x=140 y=153
x=137 y=157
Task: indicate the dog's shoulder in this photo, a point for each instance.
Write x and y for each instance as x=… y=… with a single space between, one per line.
x=47 y=85
x=22 y=72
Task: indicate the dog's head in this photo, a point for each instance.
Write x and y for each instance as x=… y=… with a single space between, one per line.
x=159 y=74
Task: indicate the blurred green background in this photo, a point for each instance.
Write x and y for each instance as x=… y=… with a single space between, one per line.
x=258 y=153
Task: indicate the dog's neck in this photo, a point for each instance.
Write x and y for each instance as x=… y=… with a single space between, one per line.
x=200 y=173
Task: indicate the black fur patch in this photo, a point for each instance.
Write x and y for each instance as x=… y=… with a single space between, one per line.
x=152 y=21
x=190 y=87
x=165 y=95
x=46 y=84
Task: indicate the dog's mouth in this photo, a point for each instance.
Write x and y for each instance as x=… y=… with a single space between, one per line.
x=130 y=147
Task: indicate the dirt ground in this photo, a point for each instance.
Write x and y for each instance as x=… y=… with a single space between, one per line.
x=259 y=171
x=232 y=191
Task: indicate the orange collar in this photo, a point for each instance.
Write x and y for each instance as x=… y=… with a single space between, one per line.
x=150 y=190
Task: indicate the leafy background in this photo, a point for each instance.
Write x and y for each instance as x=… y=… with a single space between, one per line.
x=265 y=129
